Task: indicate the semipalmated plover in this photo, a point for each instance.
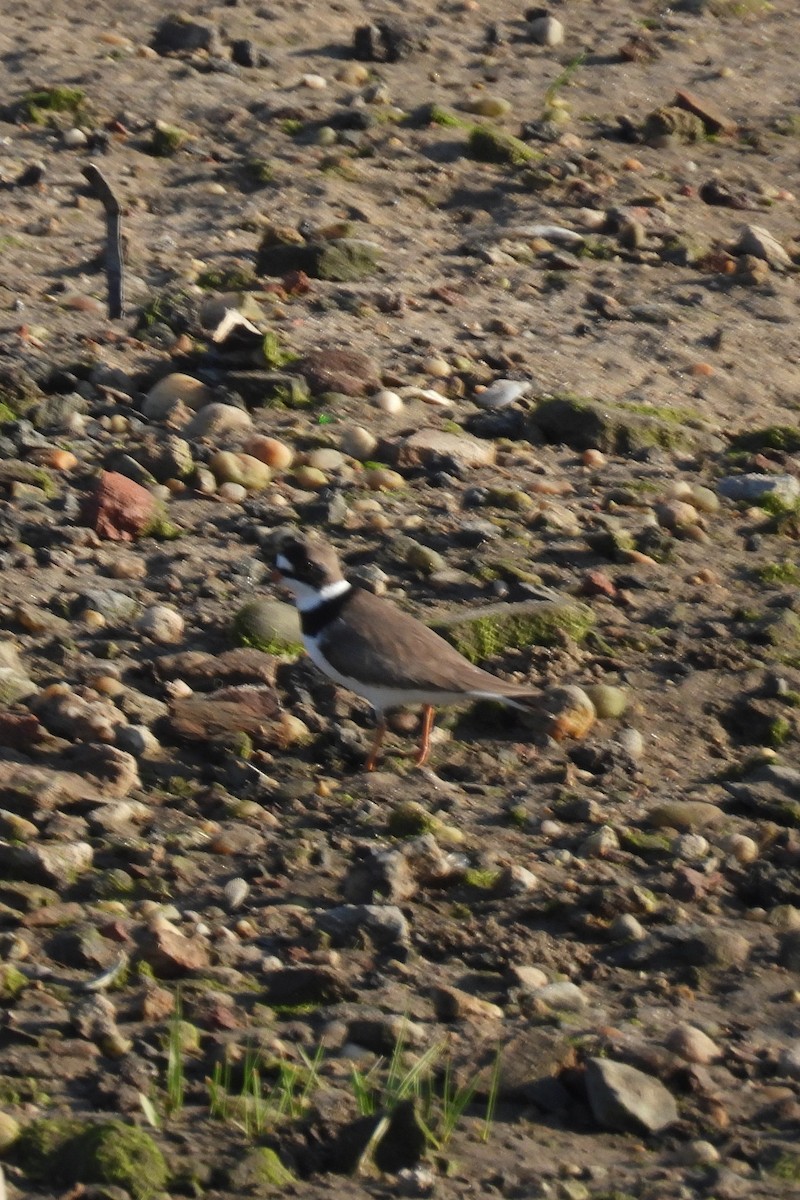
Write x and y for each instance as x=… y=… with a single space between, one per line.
x=366 y=644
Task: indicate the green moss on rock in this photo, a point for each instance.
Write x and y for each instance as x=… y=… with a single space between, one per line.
x=488 y=144
x=67 y=1151
x=36 y=105
x=618 y=428
x=498 y=627
x=260 y=1173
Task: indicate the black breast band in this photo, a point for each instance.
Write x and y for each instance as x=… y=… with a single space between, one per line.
x=314 y=620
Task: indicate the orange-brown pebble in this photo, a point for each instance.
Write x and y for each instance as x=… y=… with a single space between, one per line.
x=593 y=458
x=701 y=370
x=269 y=450
x=57 y=460
x=706 y=575
x=633 y=164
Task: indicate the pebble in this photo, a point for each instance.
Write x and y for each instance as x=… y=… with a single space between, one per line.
x=312 y=479
x=600 y=843
x=691 y=846
x=676 y=514
x=625 y=928
x=562 y=995
x=547 y=31
x=234 y=493
x=244 y=469
x=383 y=479
x=74 y=137
x=743 y=848
x=692 y=1045
x=161 y=623
x=160 y=401
x=216 y=420
x=502 y=393
x=326 y=459
x=438 y=367
x=631 y=741
x=388 y=402
x=269 y=450
x=236 y=892
x=609 y=701
x=137 y=740
x=357 y=442
x=317 y=83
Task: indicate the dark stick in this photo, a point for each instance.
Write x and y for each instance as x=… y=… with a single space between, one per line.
x=115 y=268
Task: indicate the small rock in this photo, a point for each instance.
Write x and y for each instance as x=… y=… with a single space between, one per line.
x=570 y=712
x=388 y=402
x=161 y=400
x=266 y=624
x=437 y=448
x=562 y=996
x=120 y=509
x=161 y=623
x=785 y=488
x=626 y=1100
x=348 y=372
x=171 y=954
x=599 y=844
x=358 y=442
x=453 y=1004
x=690 y=815
x=759 y=242
x=528 y=979
x=236 y=892
x=178 y=34
x=546 y=31
x=218 y=420
x=609 y=701
x=274 y=453
x=691 y=1044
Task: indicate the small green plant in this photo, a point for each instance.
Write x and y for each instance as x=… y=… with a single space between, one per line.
x=565 y=78
x=176 y=1077
x=275 y=354
x=779 y=572
x=259 y=1107
x=430 y=1081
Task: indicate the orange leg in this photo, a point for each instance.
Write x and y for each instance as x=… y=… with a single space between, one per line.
x=377 y=742
x=425 y=736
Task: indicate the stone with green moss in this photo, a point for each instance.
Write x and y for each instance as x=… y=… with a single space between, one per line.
x=490 y=630
x=770 y=437
x=615 y=427
x=268 y=625
x=13 y=471
x=496 y=146
x=12 y=981
x=36 y=105
x=410 y=819
x=346 y=260
x=645 y=844
x=260 y=1173
x=166 y=140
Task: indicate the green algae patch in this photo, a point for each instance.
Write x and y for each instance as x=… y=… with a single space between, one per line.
x=495 y=628
x=771 y=437
x=68 y=1151
x=615 y=427
x=35 y=106
x=12 y=982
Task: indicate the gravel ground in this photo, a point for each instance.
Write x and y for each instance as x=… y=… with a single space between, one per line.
x=504 y=305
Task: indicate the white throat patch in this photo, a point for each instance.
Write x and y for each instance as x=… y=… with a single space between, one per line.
x=308 y=598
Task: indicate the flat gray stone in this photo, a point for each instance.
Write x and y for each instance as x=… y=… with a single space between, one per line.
x=756 y=487
x=627 y=1100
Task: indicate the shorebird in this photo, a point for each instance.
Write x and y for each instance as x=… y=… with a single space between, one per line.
x=366 y=644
